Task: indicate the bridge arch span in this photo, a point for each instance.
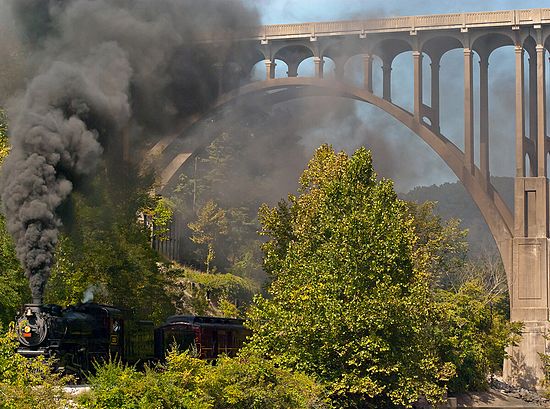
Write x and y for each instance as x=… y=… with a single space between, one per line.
x=496 y=213
x=524 y=239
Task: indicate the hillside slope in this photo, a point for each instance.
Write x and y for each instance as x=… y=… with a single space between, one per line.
x=454 y=202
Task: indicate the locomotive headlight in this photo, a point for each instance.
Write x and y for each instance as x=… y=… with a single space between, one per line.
x=27 y=332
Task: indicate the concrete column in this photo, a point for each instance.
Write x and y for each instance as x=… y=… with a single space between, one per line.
x=520 y=113
x=541 y=111
x=319 y=64
x=270 y=69
x=468 y=111
x=529 y=284
x=367 y=61
x=292 y=70
x=386 y=80
x=338 y=70
x=484 y=120
x=533 y=107
x=435 y=93
x=417 y=65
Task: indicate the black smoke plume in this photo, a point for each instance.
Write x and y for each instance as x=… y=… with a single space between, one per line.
x=97 y=68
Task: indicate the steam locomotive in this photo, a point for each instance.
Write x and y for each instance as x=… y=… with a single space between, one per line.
x=78 y=335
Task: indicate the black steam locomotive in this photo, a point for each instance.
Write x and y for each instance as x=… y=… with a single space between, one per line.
x=78 y=335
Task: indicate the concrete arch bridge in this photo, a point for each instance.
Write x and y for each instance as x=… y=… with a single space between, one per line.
x=521 y=234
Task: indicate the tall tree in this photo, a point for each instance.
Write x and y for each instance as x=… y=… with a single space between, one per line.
x=350 y=301
x=13 y=286
x=105 y=250
x=210 y=226
x=443 y=241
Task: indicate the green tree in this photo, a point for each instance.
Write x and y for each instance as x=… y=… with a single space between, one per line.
x=211 y=225
x=444 y=243
x=473 y=333
x=350 y=301
x=472 y=328
x=13 y=286
x=198 y=293
x=103 y=247
x=158 y=212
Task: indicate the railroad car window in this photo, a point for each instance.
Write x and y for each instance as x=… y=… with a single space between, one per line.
x=182 y=339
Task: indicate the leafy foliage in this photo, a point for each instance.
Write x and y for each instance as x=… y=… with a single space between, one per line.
x=442 y=241
x=187 y=382
x=4 y=143
x=240 y=169
x=195 y=292
x=210 y=226
x=27 y=382
x=472 y=327
x=350 y=301
x=105 y=248
x=473 y=333
x=159 y=212
x=13 y=286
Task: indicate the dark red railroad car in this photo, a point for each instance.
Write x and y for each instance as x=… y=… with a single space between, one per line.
x=208 y=337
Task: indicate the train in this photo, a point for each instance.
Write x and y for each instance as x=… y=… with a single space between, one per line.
x=81 y=334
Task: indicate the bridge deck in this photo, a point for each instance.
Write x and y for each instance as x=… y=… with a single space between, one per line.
x=463 y=21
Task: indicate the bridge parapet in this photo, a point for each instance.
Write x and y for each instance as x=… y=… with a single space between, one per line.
x=463 y=21
x=522 y=236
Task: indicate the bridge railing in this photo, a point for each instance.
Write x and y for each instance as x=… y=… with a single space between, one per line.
x=394 y=24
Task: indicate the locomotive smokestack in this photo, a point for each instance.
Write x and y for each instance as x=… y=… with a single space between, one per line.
x=37 y=300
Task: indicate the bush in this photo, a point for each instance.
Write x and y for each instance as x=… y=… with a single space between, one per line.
x=186 y=382
x=473 y=333
x=254 y=383
x=26 y=383
x=198 y=293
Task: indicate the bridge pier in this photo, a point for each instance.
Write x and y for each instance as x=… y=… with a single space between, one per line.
x=530 y=277
x=521 y=234
x=529 y=289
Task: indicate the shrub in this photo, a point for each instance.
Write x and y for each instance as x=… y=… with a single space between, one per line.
x=26 y=383
x=187 y=382
x=473 y=334
x=255 y=383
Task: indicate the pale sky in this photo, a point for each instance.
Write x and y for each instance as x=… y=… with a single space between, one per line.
x=292 y=11
x=414 y=162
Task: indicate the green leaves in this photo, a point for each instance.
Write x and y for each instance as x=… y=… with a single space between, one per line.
x=187 y=382
x=4 y=143
x=13 y=285
x=348 y=303
x=103 y=246
x=28 y=382
x=211 y=224
x=473 y=334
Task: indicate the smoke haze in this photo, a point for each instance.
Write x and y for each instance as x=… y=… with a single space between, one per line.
x=95 y=69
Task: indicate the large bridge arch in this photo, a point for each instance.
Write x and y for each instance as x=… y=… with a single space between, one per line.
x=493 y=208
x=523 y=237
